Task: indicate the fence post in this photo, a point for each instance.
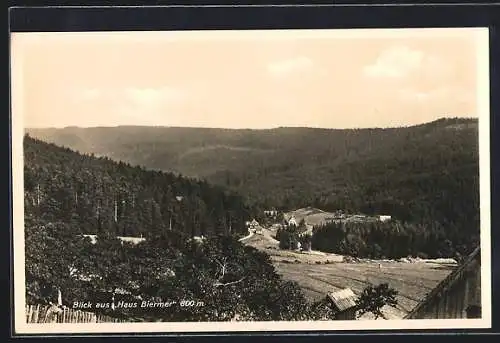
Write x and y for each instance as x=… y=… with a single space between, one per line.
x=36 y=314
x=29 y=313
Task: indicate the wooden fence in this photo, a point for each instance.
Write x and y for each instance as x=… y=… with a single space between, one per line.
x=53 y=314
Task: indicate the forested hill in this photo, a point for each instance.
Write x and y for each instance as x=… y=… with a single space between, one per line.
x=97 y=195
x=164 y=278
x=429 y=170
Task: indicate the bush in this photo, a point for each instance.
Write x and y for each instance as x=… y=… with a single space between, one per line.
x=372 y=299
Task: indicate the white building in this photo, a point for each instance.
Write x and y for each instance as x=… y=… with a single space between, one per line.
x=384 y=218
x=252 y=225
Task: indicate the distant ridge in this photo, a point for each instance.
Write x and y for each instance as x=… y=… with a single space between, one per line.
x=436 y=121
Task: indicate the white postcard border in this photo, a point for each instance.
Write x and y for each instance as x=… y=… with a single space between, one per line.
x=21 y=327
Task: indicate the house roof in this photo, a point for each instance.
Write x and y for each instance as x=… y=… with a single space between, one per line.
x=343 y=299
x=447 y=283
x=134 y=240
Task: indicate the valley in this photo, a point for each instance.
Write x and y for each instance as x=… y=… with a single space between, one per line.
x=318 y=273
x=384 y=206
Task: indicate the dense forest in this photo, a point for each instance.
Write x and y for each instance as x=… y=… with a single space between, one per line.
x=166 y=277
x=395 y=239
x=424 y=171
x=100 y=196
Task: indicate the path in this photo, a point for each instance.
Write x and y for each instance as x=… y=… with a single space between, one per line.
x=246 y=237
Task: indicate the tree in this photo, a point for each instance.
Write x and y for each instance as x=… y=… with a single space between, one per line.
x=289 y=238
x=284 y=237
x=302 y=223
x=322 y=310
x=52 y=250
x=373 y=299
x=306 y=241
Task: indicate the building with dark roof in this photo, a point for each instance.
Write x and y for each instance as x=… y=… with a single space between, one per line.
x=344 y=304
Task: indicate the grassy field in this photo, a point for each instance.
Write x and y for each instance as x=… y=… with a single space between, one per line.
x=412 y=280
x=319 y=273
x=311 y=216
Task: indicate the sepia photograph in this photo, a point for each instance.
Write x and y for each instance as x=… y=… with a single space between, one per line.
x=253 y=180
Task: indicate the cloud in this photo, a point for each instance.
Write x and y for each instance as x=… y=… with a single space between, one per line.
x=285 y=67
x=395 y=62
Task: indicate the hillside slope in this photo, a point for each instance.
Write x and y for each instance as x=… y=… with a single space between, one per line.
x=424 y=171
x=99 y=195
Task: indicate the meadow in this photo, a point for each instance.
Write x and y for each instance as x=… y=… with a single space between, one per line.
x=318 y=273
x=412 y=280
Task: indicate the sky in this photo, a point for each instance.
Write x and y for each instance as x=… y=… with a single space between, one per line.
x=246 y=79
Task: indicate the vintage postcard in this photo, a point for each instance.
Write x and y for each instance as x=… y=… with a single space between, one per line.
x=214 y=181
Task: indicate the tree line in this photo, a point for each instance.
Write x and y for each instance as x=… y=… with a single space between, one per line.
x=394 y=239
